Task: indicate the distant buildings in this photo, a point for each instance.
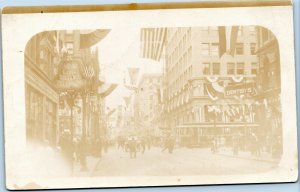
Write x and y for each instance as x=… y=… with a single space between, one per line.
x=146 y=101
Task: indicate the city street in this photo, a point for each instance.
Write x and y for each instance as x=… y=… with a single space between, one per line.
x=182 y=161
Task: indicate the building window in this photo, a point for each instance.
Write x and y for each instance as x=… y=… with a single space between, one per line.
x=252 y=30
x=216 y=68
x=240 y=31
x=254 y=68
x=230 y=69
x=239 y=48
x=205 y=49
x=206 y=68
x=253 y=48
x=240 y=68
x=214 y=49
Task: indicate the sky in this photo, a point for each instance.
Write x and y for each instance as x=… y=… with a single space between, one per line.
x=119 y=50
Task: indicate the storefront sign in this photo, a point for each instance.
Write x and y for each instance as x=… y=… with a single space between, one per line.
x=240 y=89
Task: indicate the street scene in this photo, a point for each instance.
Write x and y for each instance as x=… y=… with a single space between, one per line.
x=155 y=101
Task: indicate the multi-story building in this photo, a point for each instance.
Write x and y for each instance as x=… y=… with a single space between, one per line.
x=146 y=102
x=61 y=82
x=204 y=91
x=269 y=85
x=42 y=98
x=83 y=76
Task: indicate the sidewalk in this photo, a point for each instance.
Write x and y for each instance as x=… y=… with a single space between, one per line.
x=91 y=163
x=264 y=156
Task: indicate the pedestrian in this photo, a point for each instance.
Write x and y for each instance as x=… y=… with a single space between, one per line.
x=143 y=145
x=132 y=148
x=235 y=144
x=83 y=153
x=169 y=144
x=67 y=149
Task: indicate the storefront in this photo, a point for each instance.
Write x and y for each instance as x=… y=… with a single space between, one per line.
x=41 y=110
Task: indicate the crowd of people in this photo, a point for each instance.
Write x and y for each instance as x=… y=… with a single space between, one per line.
x=253 y=143
x=134 y=144
x=77 y=149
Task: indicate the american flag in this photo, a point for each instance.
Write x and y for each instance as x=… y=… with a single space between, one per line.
x=89 y=71
x=152 y=42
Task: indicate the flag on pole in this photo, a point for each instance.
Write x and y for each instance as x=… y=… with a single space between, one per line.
x=127 y=100
x=131 y=88
x=88 y=71
x=152 y=42
x=111 y=112
x=90 y=39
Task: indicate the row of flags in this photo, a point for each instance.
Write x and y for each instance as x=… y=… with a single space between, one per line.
x=231 y=112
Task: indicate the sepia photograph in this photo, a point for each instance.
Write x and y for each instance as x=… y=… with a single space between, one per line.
x=204 y=99
x=149 y=102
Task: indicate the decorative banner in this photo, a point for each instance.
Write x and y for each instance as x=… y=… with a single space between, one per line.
x=227 y=39
x=70 y=77
x=219 y=88
x=212 y=79
x=237 y=79
x=133 y=74
x=212 y=93
x=90 y=39
x=106 y=89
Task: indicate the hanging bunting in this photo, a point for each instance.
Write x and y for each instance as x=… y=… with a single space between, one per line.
x=237 y=79
x=90 y=39
x=106 y=89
